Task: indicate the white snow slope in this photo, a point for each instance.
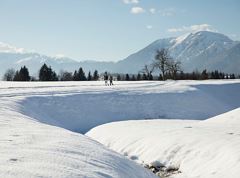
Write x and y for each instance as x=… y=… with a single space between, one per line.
x=200 y=149
x=82 y=106
x=32 y=146
x=29 y=148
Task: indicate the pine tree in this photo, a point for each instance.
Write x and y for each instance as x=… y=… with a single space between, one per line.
x=16 y=76
x=54 y=76
x=150 y=77
x=127 y=78
x=204 y=75
x=139 y=77
x=95 y=75
x=24 y=74
x=81 y=75
x=44 y=74
x=144 y=77
x=133 y=78
x=119 y=77
x=47 y=74
x=75 y=76
x=89 y=78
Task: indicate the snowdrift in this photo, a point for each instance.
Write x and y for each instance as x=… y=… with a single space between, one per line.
x=32 y=149
x=206 y=149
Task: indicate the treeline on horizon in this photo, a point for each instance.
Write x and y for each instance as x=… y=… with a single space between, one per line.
x=163 y=63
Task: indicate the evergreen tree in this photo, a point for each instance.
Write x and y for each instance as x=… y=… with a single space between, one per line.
x=95 y=75
x=144 y=77
x=54 y=76
x=182 y=76
x=44 y=73
x=81 y=74
x=89 y=78
x=160 y=77
x=16 y=76
x=133 y=78
x=204 y=75
x=24 y=74
x=75 y=76
x=150 y=77
x=232 y=76
x=47 y=74
x=139 y=77
x=127 y=78
x=119 y=77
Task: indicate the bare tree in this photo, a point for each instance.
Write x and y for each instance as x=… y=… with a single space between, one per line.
x=162 y=59
x=65 y=76
x=147 y=70
x=9 y=75
x=174 y=67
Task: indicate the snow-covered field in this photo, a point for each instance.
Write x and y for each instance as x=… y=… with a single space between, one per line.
x=37 y=120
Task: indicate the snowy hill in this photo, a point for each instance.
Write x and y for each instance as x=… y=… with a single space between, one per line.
x=199 y=50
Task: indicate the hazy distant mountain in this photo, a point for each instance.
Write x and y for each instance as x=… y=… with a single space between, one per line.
x=200 y=50
x=12 y=57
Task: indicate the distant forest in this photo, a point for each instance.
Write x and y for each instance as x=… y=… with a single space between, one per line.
x=163 y=64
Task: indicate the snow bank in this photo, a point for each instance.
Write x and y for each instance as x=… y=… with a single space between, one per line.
x=80 y=106
x=29 y=148
x=197 y=148
x=32 y=149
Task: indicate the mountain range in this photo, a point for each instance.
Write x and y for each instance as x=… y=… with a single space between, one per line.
x=196 y=51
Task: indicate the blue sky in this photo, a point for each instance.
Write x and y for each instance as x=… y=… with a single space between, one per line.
x=109 y=30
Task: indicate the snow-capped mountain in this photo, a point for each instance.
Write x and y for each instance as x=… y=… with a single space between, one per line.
x=196 y=51
x=13 y=57
x=199 y=50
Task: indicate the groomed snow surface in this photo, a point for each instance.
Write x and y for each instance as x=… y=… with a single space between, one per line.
x=37 y=121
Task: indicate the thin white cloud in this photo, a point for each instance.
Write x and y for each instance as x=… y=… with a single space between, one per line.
x=131 y=1
x=193 y=28
x=152 y=10
x=234 y=36
x=137 y=10
x=6 y=48
x=149 y=27
x=60 y=56
x=168 y=12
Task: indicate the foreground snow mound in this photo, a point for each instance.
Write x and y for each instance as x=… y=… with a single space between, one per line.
x=32 y=149
x=206 y=149
x=228 y=119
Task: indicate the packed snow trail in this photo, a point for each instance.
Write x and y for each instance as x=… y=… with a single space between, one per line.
x=204 y=149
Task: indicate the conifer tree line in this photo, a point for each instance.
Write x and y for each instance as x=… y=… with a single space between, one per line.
x=46 y=73
x=163 y=64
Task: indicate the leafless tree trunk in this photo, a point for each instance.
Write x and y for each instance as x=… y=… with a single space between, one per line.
x=161 y=61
